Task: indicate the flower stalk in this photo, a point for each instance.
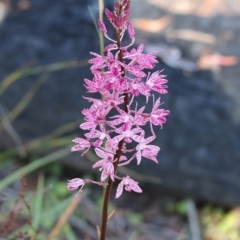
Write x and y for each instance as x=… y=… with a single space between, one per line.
x=119 y=78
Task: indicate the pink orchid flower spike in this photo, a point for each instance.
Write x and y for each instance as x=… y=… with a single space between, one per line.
x=112 y=126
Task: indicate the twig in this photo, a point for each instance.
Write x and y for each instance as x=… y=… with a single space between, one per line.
x=67 y=213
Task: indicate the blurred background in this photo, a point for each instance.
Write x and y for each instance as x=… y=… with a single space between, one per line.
x=194 y=191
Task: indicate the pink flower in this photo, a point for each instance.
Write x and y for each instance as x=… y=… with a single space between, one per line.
x=136 y=70
x=90 y=118
x=81 y=144
x=147 y=151
x=137 y=87
x=156 y=82
x=126 y=134
x=75 y=183
x=143 y=60
x=157 y=116
x=134 y=52
x=97 y=62
x=139 y=118
x=105 y=164
x=123 y=118
x=129 y=185
x=94 y=118
x=101 y=135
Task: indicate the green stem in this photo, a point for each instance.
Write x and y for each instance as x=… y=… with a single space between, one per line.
x=101 y=38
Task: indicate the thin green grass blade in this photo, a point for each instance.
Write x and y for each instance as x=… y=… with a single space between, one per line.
x=51 y=144
x=33 y=166
x=36 y=147
x=20 y=73
x=100 y=35
x=23 y=102
x=101 y=38
x=34 y=144
x=94 y=20
x=69 y=232
x=38 y=203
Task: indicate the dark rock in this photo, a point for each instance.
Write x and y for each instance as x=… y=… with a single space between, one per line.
x=199 y=143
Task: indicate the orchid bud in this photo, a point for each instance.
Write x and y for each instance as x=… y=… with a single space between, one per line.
x=131 y=31
x=75 y=183
x=102 y=27
x=111 y=17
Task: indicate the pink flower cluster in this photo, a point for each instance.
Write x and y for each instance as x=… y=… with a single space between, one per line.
x=115 y=120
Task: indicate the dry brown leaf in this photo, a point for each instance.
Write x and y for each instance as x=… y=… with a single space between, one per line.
x=182 y=7
x=64 y=217
x=208 y=7
x=175 y=6
x=110 y=215
x=193 y=36
x=98 y=231
x=212 y=60
x=199 y=7
x=152 y=25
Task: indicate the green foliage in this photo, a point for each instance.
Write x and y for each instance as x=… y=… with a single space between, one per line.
x=219 y=225
x=42 y=208
x=177 y=207
x=136 y=218
x=61 y=189
x=181 y=207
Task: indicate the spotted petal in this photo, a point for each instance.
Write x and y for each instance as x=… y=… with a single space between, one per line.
x=119 y=189
x=99 y=163
x=108 y=170
x=133 y=186
x=100 y=153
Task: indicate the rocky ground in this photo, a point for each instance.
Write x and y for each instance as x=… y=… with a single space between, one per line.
x=198 y=48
